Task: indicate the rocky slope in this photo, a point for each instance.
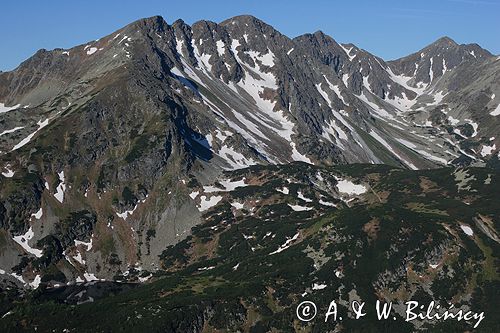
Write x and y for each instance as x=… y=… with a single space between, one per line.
x=105 y=147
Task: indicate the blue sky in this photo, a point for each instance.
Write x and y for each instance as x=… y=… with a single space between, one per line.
x=389 y=29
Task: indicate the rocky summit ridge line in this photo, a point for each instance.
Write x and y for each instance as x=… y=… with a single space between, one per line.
x=307 y=98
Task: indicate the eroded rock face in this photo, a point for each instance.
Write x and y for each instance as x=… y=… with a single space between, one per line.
x=122 y=130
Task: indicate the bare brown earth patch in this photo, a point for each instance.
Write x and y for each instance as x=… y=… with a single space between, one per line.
x=371 y=228
x=428 y=185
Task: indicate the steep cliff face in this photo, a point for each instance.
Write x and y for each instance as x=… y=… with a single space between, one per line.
x=104 y=145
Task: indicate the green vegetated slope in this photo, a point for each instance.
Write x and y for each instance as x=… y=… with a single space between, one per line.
x=293 y=233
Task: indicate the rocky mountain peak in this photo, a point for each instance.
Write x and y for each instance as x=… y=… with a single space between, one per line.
x=434 y=60
x=150 y=22
x=445 y=41
x=180 y=24
x=245 y=20
x=448 y=49
x=250 y=27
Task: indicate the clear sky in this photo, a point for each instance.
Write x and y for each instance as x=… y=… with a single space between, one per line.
x=387 y=28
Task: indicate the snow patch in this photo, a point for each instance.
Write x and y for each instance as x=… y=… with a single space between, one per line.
x=88 y=245
x=297 y=156
x=496 y=112
x=179 y=76
x=235 y=159
x=299 y=208
x=206 y=268
x=178 y=46
x=453 y=121
x=38 y=214
x=266 y=59
x=11 y=130
x=468 y=231
x=345 y=77
x=348 y=187
x=124 y=38
x=79 y=258
x=302 y=197
x=332 y=131
x=283 y=190
x=286 y=245
x=207 y=203
x=318 y=286
x=61 y=188
x=23 y=241
x=431 y=72
x=89 y=277
x=379 y=112
x=229 y=185
x=91 y=50
x=41 y=124
x=36 y=282
x=406 y=143
x=348 y=52
x=202 y=59
x=220 y=48
x=237 y=205
x=326 y=203
x=126 y=213
x=336 y=90
x=488 y=150
x=4 y=108
x=323 y=94
x=403 y=81
x=8 y=173
x=474 y=125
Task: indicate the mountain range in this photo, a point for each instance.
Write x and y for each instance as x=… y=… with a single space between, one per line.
x=121 y=157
